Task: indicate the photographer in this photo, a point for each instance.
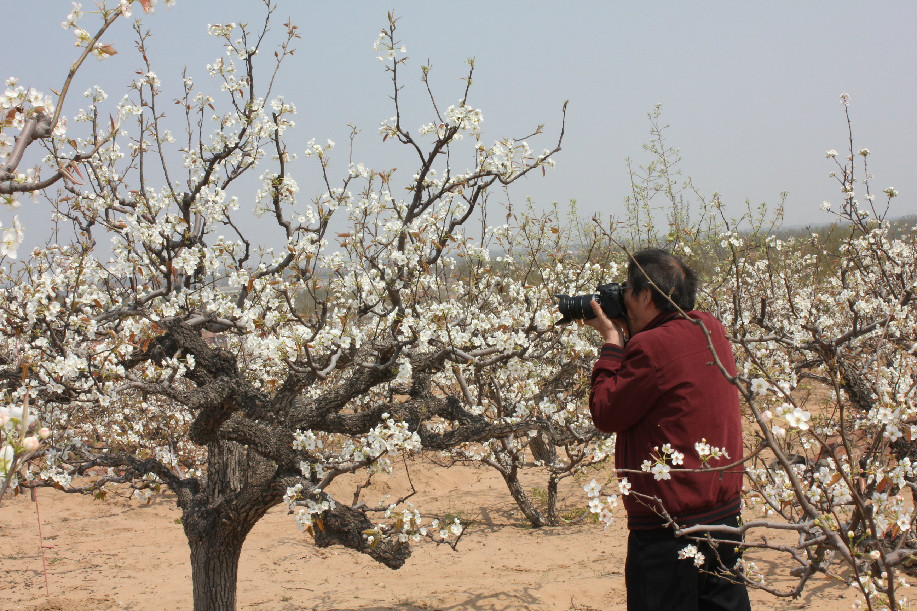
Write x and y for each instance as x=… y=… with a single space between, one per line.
x=656 y=386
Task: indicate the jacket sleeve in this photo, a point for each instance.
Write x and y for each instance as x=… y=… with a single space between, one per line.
x=624 y=387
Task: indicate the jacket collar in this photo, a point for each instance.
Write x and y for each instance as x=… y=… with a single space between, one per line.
x=661 y=319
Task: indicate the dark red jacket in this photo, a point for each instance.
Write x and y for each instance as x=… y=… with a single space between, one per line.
x=663 y=387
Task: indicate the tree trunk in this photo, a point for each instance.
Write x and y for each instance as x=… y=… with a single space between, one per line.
x=214 y=571
x=552 y=501
x=532 y=514
x=235 y=494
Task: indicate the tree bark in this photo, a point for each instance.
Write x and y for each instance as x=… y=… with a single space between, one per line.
x=522 y=499
x=214 y=570
x=345 y=526
x=218 y=518
x=552 y=501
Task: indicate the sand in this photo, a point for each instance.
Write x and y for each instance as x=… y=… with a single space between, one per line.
x=121 y=554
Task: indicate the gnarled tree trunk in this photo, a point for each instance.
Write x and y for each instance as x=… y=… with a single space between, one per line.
x=236 y=494
x=511 y=477
x=214 y=570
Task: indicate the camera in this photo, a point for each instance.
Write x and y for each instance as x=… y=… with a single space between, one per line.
x=610 y=297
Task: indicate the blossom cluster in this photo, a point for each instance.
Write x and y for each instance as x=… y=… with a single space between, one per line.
x=662 y=460
x=600 y=507
x=692 y=553
x=20 y=439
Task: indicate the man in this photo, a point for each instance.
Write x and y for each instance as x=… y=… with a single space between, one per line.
x=656 y=385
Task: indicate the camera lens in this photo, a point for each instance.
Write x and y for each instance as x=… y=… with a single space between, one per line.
x=576 y=307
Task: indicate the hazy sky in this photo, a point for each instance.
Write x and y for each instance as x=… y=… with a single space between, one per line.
x=750 y=90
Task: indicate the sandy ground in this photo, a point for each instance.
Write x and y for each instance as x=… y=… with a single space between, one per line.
x=119 y=554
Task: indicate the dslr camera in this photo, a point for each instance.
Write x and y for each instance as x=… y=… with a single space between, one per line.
x=610 y=297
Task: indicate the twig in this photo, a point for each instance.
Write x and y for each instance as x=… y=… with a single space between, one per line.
x=41 y=540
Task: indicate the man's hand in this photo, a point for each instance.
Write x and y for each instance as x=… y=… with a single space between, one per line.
x=611 y=330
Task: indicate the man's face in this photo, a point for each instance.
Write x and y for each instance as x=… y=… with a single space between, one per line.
x=640 y=308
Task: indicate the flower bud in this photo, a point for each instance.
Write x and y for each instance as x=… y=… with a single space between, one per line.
x=30 y=444
x=44 y=433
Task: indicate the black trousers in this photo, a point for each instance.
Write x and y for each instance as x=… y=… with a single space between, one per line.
x=658 y=580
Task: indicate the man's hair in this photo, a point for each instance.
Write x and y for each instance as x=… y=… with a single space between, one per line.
x=673 y=279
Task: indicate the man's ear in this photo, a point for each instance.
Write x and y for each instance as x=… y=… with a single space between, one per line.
x=645 y=299
x=646 y=296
